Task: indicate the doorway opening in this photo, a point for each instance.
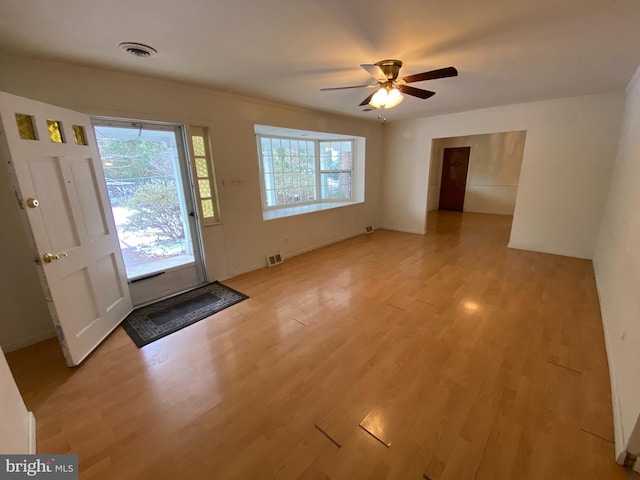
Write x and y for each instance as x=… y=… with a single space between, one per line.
x=147 y=176
x=475 y=173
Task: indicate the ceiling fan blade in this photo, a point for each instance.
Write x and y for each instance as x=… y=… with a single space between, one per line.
x=375 y=71
x=432 y=75
x=416 y=92
x=367 y=100
x=345 y=88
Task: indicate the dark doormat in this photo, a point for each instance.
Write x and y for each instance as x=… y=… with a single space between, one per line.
x=147 y=324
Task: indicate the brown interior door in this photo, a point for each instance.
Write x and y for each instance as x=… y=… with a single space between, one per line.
x=455 y=164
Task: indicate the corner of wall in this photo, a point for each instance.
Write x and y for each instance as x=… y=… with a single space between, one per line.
x=615 y=266
x=31 y=447
x=619 y=446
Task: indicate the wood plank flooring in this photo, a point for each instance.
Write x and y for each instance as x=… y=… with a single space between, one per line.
x=471 y=360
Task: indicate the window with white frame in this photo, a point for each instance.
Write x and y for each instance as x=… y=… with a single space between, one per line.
x=307 y=168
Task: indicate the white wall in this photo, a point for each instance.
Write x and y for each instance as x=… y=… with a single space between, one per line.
x=617 y=264
x=242 y=241
x=494 y=170
x=17 y=434
x=566 y=168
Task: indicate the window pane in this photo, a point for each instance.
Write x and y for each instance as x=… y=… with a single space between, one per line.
x=325 y=156
x=346 y=156
x=207 y=208
x=142 y=176
x=55 y=131
x=267 y=164
x=265 y=146
x=25 y=126
x=343 y=146
x=311 y=193
x=198 y=146
x=201 y=167
x=270 y=197
x=78 y=135
x=335 y=155
x=288 y=169
x=205 y=188
x=335 y=185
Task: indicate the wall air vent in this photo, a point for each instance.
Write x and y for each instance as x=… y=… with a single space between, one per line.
x=274 y=259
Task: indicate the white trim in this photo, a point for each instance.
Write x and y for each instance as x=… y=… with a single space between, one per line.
x=552 y=251
x=31 y=447
x=251 y=268
x=286 y=256
x=321 y=245
x=403 y=229
x=273 y=214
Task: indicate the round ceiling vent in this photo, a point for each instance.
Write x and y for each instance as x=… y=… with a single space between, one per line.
x=138 y=49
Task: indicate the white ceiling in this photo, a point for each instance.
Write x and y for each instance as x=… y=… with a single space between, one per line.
x=507 y=51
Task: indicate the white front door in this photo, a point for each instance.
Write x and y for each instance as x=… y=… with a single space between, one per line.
x=57 y=176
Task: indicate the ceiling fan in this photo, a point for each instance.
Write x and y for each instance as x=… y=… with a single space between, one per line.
x=389 y=86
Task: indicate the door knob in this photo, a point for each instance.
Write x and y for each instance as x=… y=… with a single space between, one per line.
x=50 y=257
x=32 y=202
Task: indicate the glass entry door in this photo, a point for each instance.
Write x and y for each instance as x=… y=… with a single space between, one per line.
x=147 y=178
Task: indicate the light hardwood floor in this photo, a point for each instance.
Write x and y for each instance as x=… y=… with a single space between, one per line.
x=474 y=361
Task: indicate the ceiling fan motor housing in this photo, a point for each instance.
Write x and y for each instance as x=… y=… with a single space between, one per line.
x=391 y=68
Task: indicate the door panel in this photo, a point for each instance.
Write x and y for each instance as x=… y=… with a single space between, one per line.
x=453 y=184
x=84 y=280
x=75 y=291
x=111 y=291
x=92 y=210
x=55 y=214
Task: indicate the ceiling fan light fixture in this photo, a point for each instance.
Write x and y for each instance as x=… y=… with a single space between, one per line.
x=386 y=97
x=394 y=98
x=379 y=98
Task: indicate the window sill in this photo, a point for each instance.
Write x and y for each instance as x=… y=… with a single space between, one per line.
x=302 y=209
